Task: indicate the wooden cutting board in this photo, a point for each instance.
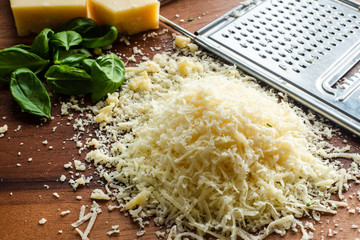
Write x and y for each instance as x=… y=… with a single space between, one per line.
x=27 y=187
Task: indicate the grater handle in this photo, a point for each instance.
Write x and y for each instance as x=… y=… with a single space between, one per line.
x=351 y=3
x=338 y=69
x=177 y=27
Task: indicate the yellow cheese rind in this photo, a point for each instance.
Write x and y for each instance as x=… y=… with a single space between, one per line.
x=33 y=16
x=128 y=16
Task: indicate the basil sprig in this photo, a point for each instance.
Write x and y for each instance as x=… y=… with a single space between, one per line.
x=15 y=57
x=80 y=25
x=73 y=57
x=41 y=45
x=68 y=80
x=100 y=36
x=66 y=39
x=72 y=71
x=108 y=73
x=30 y=93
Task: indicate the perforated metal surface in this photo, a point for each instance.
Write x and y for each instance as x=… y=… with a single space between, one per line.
x=293 y=35
x=302 y=47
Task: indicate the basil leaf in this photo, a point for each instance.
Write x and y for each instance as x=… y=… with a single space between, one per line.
x=86 y=65
x=14 y=58
x=108 y=74
x=68 y=80
x=100 y=36
x=29 y=92
x=73 y=57
x=79 y=25
x=23 y=46
x=40 y=45
x=66 y=39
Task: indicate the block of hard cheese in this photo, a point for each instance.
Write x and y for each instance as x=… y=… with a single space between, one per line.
x=128 y=16
x=32 y=16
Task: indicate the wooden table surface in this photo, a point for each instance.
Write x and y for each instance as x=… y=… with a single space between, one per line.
x=26 y=188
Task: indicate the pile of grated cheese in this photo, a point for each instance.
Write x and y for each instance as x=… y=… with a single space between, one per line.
x=201 y=148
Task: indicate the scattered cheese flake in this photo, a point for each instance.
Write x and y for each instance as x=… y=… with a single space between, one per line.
x=62 y=178
x=3 y=129
x=67 y=165
x=141 y=83
x=42 y=221
x=139 y=199
x=98 y=194
x=92 y=215
x=181 y=41
x=63 y=213
x=79 y=166
x=114 y=230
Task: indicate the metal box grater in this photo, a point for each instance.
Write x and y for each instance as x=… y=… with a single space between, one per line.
x=301 y=47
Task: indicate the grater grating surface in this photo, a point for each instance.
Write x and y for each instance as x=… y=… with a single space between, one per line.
x=301 y=47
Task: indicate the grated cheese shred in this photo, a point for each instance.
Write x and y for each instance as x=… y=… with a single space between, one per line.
x=203 y=149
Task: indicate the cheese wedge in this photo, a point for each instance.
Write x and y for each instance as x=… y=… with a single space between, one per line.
x=128 y=16
x=32 y=16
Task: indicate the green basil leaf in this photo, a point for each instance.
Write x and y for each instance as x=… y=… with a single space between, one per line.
x=23 y=46
x=14 y=58
x=30 y=93
x=108 y=74
x=66 y=39
x=86 y=65
x=100 y=36
x=73 y=57
x=40 y=45
x=79 y=25
x=68 y=80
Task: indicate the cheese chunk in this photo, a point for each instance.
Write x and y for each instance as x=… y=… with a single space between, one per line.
x=35 y=15
x=128 y=16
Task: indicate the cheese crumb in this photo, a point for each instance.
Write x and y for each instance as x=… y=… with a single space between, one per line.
x=42 y=221
x=62 y=178
x=139 y=199
x=181 y=41
x=78 y=182
x=63 y=213
x=98 y=194
x=141 y=83
x=3 y=129
x=114 y=230
x=68 y=165
x=79 y=166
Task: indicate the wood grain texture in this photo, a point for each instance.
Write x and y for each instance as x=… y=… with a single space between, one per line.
x=26 y=190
